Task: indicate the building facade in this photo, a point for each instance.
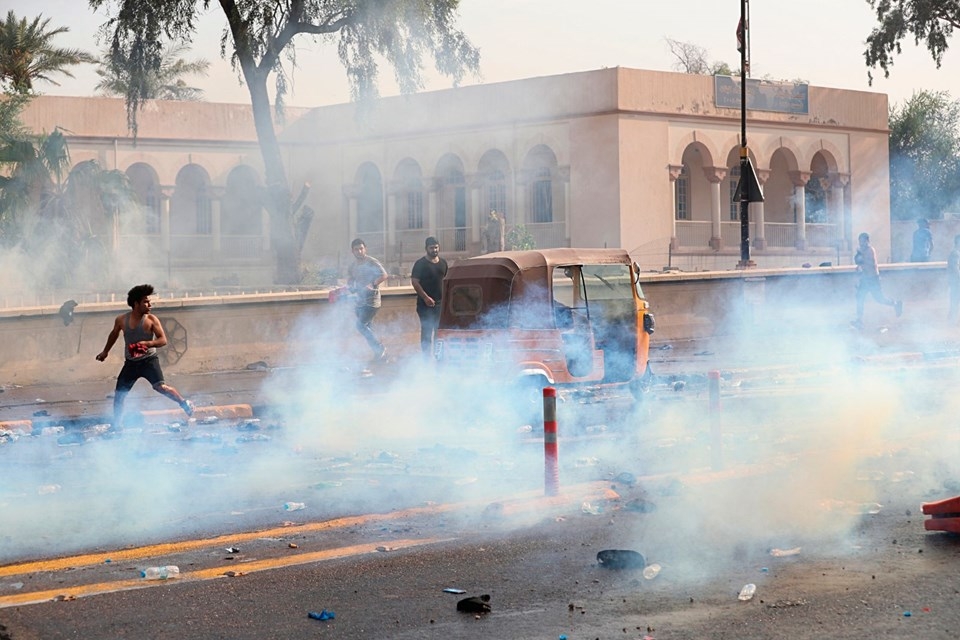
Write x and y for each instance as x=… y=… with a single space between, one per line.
x=643 y=160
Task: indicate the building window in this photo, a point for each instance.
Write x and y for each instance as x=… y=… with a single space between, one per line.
x=497 y=193
x=204 y=213
x=682 y=194
x=734 y=174
x=414 y=210
x=152 y=212
x=542 y=197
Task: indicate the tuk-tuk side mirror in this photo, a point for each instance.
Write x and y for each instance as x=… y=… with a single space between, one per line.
x=636 y=273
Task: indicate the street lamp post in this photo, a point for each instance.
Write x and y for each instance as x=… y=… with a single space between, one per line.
x=748 y=188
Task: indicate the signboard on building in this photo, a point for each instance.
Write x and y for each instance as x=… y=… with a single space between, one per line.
x=762 y=95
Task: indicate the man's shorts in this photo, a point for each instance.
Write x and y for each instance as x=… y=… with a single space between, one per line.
x=133 y=370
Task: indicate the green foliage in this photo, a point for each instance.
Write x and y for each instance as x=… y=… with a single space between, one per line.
x=258 y=37
x=519 y=239
x=165 y=83
x=62 y=219
x=929 y=21
x=924 y=155
x=28 y=55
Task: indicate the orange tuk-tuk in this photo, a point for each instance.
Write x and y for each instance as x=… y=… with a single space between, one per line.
x=568 y=318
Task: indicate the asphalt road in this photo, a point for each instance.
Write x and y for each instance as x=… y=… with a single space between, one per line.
x=815 y=499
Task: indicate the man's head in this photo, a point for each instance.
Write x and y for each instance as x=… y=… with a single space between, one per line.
x=138 y=293
x=359 y=248
x=923 y=223
x=864 y=239
x=432 y=246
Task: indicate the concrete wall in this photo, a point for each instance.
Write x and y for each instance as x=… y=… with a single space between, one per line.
x=228 y=333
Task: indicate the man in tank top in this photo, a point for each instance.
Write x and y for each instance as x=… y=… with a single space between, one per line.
x=142 y=334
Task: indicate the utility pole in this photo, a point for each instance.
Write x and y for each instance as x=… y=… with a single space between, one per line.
x=748 y=188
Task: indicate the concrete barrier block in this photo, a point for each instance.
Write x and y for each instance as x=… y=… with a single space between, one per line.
x=13 y=425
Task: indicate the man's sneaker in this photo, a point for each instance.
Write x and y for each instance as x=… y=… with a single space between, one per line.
x=898 y=307
x=187 y=408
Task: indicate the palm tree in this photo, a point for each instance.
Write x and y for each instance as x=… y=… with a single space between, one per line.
x=65 y=219
x=27 y=54
x=165 y=83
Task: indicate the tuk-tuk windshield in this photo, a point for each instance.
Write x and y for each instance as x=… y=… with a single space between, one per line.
x=607 y=282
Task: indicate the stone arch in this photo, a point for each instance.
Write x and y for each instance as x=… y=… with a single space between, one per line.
x=145 y=182
x=369 y=182
x=701 y=142
x=451 y=202
x=409 y=188
x=778 y=191
x=493 y=173
x=191 y=208
x=241 y=209
x=791 y=152
x=539 y=174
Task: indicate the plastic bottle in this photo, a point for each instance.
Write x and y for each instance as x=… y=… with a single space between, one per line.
x=293 y=506
x=747 y=592
x=161 y=573
x=651 y=571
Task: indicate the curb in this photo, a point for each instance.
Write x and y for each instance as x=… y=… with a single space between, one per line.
x=223 y=412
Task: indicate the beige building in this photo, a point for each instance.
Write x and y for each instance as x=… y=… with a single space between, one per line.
x=643 y=160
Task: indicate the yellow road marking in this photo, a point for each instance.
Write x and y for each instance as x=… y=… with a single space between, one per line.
x=81 y=591
x=527 y=500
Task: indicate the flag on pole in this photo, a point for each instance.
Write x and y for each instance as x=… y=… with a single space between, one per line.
x=740 y=36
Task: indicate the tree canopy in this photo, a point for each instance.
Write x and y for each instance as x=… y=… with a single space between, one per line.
x=27 y=54
x=924 y=156
x=165 y=83
x=258 y=37
x=929 y=21
x=692 y=58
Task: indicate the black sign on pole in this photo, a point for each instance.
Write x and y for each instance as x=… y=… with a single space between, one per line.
x=748 y=187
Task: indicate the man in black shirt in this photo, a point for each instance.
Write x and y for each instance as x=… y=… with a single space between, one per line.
x=427 y=280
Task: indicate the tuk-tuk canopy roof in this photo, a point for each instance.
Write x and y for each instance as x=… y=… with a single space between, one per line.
x=506 y=264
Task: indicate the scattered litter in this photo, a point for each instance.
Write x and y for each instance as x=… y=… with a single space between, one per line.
x=620 y=559
x=870 y=508
x=259 y=365
x=233 y=550
x=907 y=614
x=71 y=598
x=254 y=437
x=651 y=571
x=747 y=592
x=783 y=553
x=679 y=385
x=321 y=615
x=781 y=604
x=294 y=506
x=592 y=510
x=292 y=545
x=626 y=478
x=234 y=574
x=474 y=604
x=639 y=505
x=452 y=590
x=463 y=481
x=384 y=549
x=16 y=585
x=587 y=462
x=704 y=353
x=52 y=431
x=41 y=413
x=326 y=484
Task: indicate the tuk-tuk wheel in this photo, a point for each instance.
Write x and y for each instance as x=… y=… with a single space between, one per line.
x=640 y=385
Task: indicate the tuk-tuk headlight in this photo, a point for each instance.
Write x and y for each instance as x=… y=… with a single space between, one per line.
x=649 y=322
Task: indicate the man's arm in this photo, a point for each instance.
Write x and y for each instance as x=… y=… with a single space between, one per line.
x=159 y=337
x=111 y=338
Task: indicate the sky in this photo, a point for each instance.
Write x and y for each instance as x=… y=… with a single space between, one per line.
x=819 y=41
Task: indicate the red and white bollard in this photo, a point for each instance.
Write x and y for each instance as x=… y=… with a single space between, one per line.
x=551 y=466
x=716 y=437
